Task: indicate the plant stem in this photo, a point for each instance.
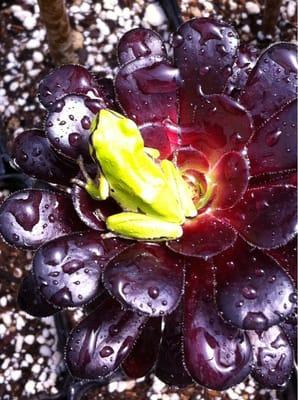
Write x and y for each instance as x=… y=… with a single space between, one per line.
x=173 y=13
x=270 y=16
x=59 y=33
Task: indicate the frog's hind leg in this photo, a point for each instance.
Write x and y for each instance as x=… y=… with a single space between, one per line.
x=143 y=227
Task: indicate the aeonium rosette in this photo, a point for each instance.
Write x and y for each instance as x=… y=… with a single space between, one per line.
x=173 y=199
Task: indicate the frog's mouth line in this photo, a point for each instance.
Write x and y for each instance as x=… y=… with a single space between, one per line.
x=156 y=195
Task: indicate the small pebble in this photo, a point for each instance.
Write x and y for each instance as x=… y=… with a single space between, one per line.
x=38 y=57
x=16 y=375
x=154 y=14
x=252 y=8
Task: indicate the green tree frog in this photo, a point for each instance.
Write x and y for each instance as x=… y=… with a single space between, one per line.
x=154 y=196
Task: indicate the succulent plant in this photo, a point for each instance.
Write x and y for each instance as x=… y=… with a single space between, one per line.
x=211 y=301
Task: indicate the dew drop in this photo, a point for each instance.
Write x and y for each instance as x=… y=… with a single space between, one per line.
x=272 y=279
x=177 y=40
x=249 y=292
x=54 y=274
x=256 y=321
x=15 y=237
x=204 y=70
x=85 y=122
x=113 y=330
x=272 y=138
x=293 y=298
x=126 y=288
x=36 y=152
x=24 y=156
x=153 y=292
x=259 y=272
x=106 y=351
x=74 y=139
x=58 y=106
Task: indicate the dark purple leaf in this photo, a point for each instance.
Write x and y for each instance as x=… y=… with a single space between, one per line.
x=138 y=43
x=161 y=136
x=218 y=125
x=93 y=212
x=230 y=177
x=68 y=269
x=147 y=277
x=169 y=367
x=31 y=217
x=246 y=60
x=101 y=341
x=266 y=216
x=272 y=82
x=286 y=256
x=68 y=125
x=33 y=153
x=253 y=292
x=142 y=358
x=274 y=146
x=216 y=355
x=31 y=301
x=146 y=90
x=204 y=236
x=65 y=80
x=273 y=357
x=205 y=51
x=105 y=88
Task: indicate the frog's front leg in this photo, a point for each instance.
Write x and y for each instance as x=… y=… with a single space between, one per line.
x=143 y=227
x=98 y=188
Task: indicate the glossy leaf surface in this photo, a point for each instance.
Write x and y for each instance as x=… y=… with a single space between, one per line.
x=274 y=147
x=272 y=82
x=216 y=355
x=218 y=125
x=68 y=124
x=273 y=357
x=286 y=256
x=100 y=342
x=146 y=90
x=34 y=155
x=253 y=292
x=170 y=368
x=138 y=43
x=266 y=216
x=189 y=158
x=68 y=269
x=161 y=136
x=230 y=177
x=31 y=301
x=92 y=212
x=31 y=217
x=204 y=236
x=146 y=277
x=142 y=358
x=204 y=51
x=65 y=80
x=246 y=60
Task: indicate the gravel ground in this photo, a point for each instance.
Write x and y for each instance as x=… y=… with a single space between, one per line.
x=30 y=352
